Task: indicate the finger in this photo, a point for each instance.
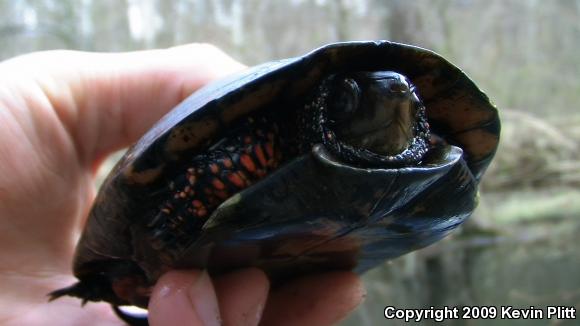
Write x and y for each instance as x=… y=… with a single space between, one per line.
x=108 y=100
x=242 y=296
x=184 y=298
x=321 y=299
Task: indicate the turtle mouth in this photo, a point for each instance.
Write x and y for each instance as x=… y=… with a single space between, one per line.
x=391 y=138
x=395 y=143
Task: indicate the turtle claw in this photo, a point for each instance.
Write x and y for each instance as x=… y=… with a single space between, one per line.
x=78 y=290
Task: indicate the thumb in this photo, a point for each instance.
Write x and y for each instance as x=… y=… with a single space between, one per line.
x=106 y=101
x=184 y=298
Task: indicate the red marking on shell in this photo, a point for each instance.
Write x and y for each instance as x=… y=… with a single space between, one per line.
x=214 y=168
x=248 y=140
x=197 y=203
x=248 y=163
x=236 y=180
x=244 y=177
x=191 y=179
x=202 y=212
x=218 y=184
x=260 y=154
x=228 y=163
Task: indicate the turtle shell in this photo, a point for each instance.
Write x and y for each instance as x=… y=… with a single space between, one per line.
x=313 y=213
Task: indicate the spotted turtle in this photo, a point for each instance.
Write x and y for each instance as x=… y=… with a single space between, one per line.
x=340 y=159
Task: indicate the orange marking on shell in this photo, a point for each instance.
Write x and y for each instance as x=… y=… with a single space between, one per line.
x=244 y=177
x=197 y=203
x=247 y=140
x=218 y=184
x=166 y=210
x=214 y=168
x=228 y=163
x=260 y=154
x=202 y=212
x=182 y=194
x=248 y=163
x=236 y=180
x=191 y=179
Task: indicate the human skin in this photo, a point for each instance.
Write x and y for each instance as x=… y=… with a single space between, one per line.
x=61 y=114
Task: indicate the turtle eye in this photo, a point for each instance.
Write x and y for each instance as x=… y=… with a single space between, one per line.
x=344 y=99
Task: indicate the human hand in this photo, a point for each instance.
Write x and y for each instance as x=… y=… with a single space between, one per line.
x=61 y=114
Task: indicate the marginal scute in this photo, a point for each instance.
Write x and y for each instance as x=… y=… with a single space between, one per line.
x=431 y=85
x=142 y=177
x=459 y=111
x=478 y=143
x=305 y=82
x=191 y=134
x=247 y=104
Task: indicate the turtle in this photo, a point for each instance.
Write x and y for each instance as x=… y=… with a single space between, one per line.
x=340 y=159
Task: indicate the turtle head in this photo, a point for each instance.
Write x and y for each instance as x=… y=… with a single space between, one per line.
x=371 y=118
x=373 y=110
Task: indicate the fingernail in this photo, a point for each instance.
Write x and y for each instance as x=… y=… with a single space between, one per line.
x=204 y=300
